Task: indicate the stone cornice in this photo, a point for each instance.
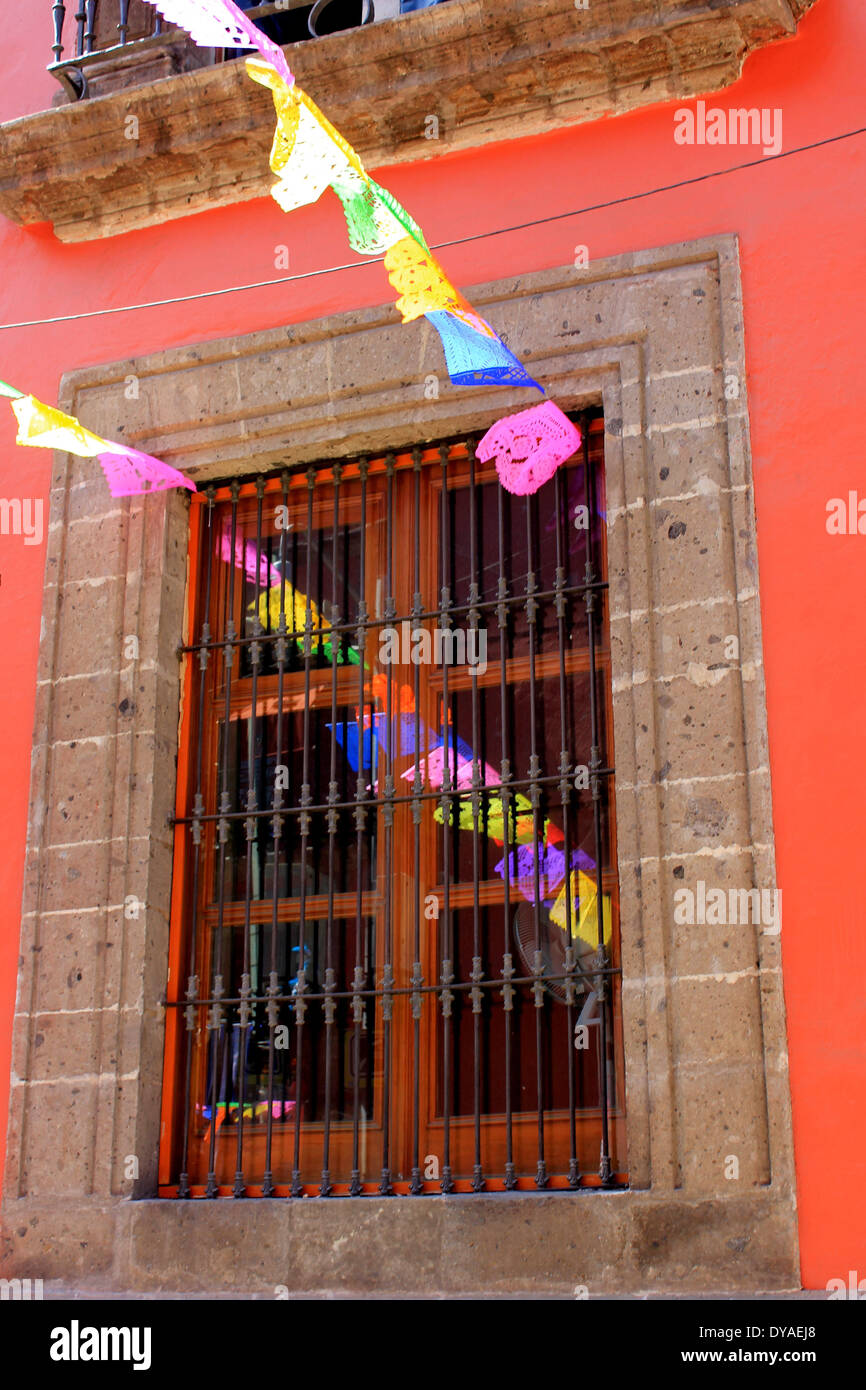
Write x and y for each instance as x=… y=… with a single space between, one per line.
x=487 y=71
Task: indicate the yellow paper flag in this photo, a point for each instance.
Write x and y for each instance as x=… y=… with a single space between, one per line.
x=420 y=282
x=584 y=921
x=308 y=154
x=47 y=428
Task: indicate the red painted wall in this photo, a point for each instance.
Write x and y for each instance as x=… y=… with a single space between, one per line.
x=800 y=224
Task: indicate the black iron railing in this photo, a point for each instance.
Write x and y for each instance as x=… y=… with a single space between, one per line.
x=98 y=25
x=82 y=40
x=395 y=906
x=85 y=30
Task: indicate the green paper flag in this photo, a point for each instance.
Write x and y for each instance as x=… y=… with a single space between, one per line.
x=7 y=390
x=375 y=220
x=399 y=212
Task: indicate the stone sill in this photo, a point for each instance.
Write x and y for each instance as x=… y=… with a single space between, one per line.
x=472 y=1246
x=487 y=71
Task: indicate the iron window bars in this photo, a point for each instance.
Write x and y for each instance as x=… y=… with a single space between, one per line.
x=389 y=970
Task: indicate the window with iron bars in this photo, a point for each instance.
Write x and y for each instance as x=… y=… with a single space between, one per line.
x=389 y=969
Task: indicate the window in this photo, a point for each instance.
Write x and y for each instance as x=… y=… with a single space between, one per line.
x=389 y=971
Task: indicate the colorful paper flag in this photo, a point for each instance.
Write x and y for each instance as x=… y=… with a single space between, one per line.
x=220 y=24
x=294 y=605
x=245 y=558
x=420 y=281
x=375 y=221
x=551 y=866
x=584 y=910
x=460 y=766
x=307 y=153
x=473 y=358
x=7 y=390
x=128 y=471
x=529 y=447
x=490 y=818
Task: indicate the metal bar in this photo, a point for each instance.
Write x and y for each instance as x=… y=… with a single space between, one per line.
x=486 y=606
x=90 y=32
x=123 y=26
x=491 y=985
x=192 y=988
x=534 y=796
x=58 y=14
x=251 y=829
x=281 y=652
x=80 y=17
x=502 y=612
x=388 y=817
x=297 y=1188
x=595 y=783
x=447 y=977
x=359 y=974
x=561 y=524
x=474 y=615
x=325 y=1187
x=416 y=1186
x=217 y=1015
x=517 y=784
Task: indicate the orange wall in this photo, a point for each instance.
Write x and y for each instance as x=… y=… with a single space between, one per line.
x=800 y=226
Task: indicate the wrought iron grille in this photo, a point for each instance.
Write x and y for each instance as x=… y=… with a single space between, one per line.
x=395 y=948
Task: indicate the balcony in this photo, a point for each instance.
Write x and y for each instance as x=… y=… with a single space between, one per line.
x=109 y=45
x=487 y=72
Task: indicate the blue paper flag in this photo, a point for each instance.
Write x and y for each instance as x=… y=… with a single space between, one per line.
x=473 y=359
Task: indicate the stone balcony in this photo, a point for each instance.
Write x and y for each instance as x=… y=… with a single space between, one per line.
x=488 y=72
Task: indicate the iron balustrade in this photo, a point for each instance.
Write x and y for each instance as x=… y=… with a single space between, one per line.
x=83 y=41
x=113 y=32
x=365 y=1000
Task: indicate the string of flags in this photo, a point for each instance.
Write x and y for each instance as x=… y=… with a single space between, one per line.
x=127 y=470
x=308 y=156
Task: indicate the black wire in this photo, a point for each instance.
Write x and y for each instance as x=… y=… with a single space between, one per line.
x=455 y=241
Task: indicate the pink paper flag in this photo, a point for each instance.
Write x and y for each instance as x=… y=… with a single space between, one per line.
x=529 y=447
x=245 y=558
x=220 y=24
x=433 y=768
x=129 y=472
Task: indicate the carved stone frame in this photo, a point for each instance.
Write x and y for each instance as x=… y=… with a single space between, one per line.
x=657 y=338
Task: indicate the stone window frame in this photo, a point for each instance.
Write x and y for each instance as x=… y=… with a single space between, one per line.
x=656 y=338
